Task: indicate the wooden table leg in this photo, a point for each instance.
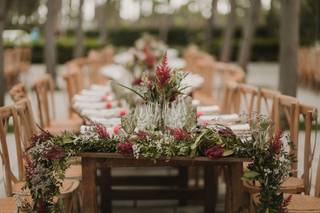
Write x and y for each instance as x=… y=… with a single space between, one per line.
x=89 y=196
x=105 y=186
x=183 y=183
x=237 y=199
x=210 y=188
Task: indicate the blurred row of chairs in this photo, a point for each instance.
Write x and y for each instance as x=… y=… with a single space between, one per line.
x=224 y=85
x=16 y=63
x=309 y=67
x=214 y=73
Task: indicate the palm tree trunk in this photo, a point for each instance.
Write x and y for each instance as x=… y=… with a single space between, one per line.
x=79 y=45
x=2 y=78
x=210 y=25
x=50 y=38
x=249 y=28
x=102 y=18
x=289 y=44
x=227 y=46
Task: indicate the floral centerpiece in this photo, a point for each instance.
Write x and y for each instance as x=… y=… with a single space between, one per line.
x=163 y=125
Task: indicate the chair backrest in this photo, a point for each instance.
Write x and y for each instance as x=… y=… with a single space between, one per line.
x=44 y=89
x=247 y=97
x=286 y=116
x=265 y=102
x=18 y=92
x=7 y=114
x=308 y=115
x=230 y=102
x=317 y=185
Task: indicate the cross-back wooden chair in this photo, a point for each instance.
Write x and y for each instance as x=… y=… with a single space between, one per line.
x=8 y=116
x=266 y=102
x=21 y=116
x=44 y=89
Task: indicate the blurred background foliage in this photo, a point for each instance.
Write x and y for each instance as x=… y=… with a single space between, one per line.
x=186 y=25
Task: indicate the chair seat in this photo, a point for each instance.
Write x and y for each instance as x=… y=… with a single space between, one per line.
x=68 y=186
x=299 y=203
x=8 y=205
x=291 y=185
x=74 y=172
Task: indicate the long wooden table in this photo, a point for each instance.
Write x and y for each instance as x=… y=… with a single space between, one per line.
x=237 y=198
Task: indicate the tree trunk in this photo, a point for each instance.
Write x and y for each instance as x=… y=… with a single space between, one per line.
x=79 y=45
x=50 y=54
x=210 y=25
x=289 y=44
x=227 y=46
x=102 y=18
x=164 y=27
x=2 y=78
x=249 y=28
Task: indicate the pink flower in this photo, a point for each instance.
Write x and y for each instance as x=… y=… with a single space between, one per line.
x=104 y=98
x=179 y=134
x=123 y=112
x=199 y=114
x=214 y=152
x=125 y=148
x=102 y=130
x=275 y=144
x=163 y=72
x=116 y=129
x=109 y=105
x=55 y=152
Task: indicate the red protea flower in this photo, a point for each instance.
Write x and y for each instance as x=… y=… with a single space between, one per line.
x=179 y=134
x=214 y=152
x=125 y=148
x=142 y=135
x=275 y=144
x=55 y=152
x=137 y=82
x=102 y=130
x=150 y=59
x=163 y=72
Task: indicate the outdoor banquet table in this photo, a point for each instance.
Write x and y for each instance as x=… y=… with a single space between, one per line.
x=237 y=199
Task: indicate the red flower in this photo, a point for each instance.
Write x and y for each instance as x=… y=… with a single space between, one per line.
x=102 y=130
x=150 y=59
x=116 y=129
x=214 y=152
x=225 y=131
x=275 y=144
x=125 y=148
x=137 y=82
x=199 y=114
x=109 y=105
x=55 y=152
x=41 y=207
x=179 y=134
x=123 y=112
x=142 y=135
x=163 y=72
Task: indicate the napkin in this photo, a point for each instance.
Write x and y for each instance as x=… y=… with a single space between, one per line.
x=95 y=105
x=107 y=122
x=207 y=110
x=211 y=119
x=240 y=127
x=104 y=113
